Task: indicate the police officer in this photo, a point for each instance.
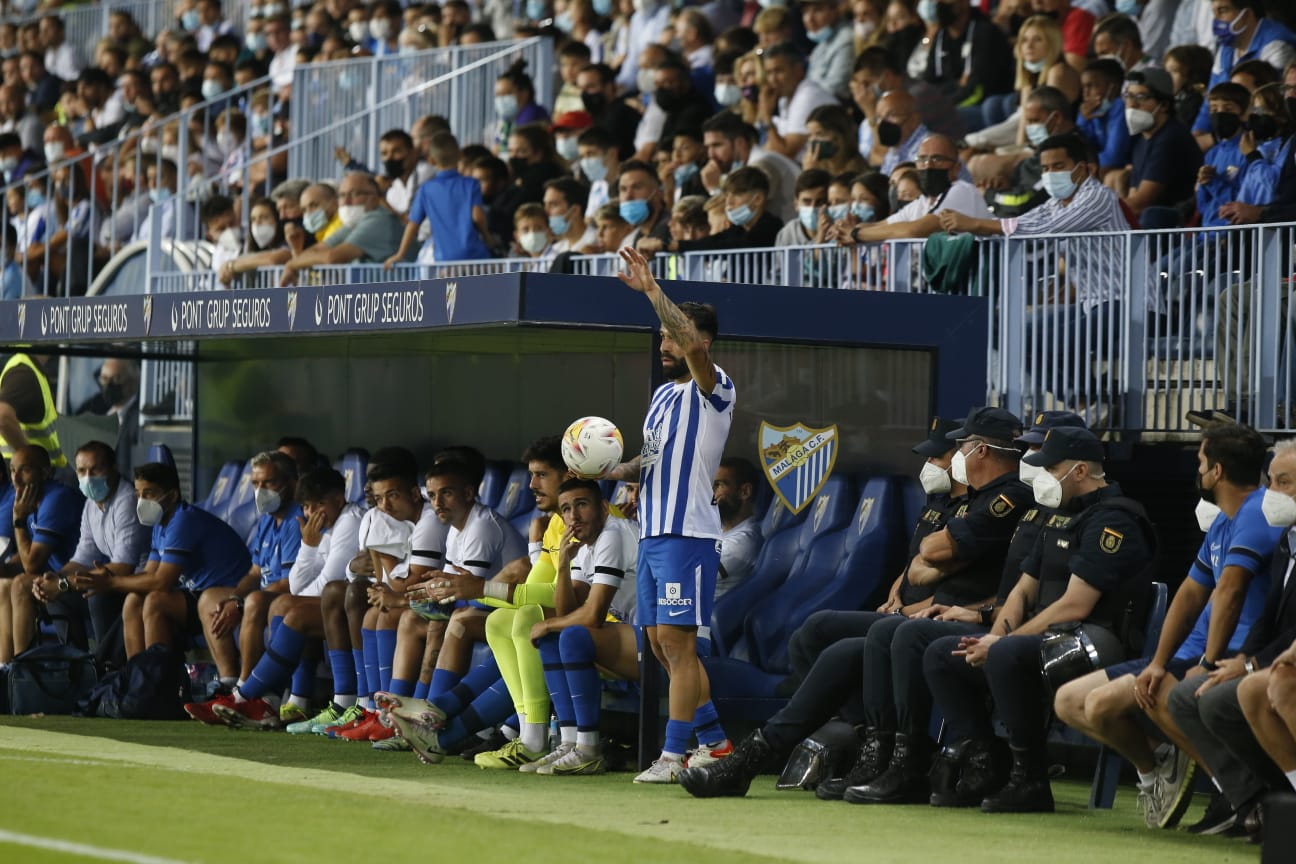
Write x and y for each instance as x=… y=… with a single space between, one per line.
x=894 y=688
x=970 y=548
x=27 y=411
x=1089 y=563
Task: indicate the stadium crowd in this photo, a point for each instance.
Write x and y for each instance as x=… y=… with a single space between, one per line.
x=720 y=126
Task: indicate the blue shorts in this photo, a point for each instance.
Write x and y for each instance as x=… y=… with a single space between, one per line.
x=676 y=580
x=1176 y=667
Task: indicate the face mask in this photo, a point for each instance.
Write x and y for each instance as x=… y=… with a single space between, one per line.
x=567 y=147
x=741 y=215
x=350 y=214
x=211 y=88
x=255 y=42
x=517 y=166
x=1138 y=120
x=54 y=151
x=394 y=167
x=267 y=500
x=96 y=488
x=958 y=468
x=934 y=480
x=273 y=9
x=933 y=182
x=170 y=151
x=864 y=29
x=1103 y=108
x=9 y=164
x=837 y=212
x=593 y=169
x=314 y=220
x=160 y=194
x=35 y=198
x=1265 y=126
x=533 y=242
x=358 y=31
x=751 y=92
x=226 y=142
x=380 y=29
x=1034 y=66
x=263 y=234
x=634 y=212
x=1127 y=7
x=862 y=210
x=260 y=125
x=1207 y=495
x=685 y=173
x=1224 y=124
x=1206 y=513
x=646 y=79
x=603 y=8
x=820 y=35
x=1058 y=184
x=559 y=225
x=189 y=20
x=809 y=217
x=535 y=9
x=825 y=147
x=945 y=14
x=148 y=512
x=928 y=12
x=506 y=107
x=229 y=240
x=1226 y=32
x=1279 y=509
x=594 y=102
x=888 y=133
x=1048 y=489
x=727 y=95
x=1028 y=473
x=1036 y=133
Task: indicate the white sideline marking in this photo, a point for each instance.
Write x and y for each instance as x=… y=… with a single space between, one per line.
x=100 y=852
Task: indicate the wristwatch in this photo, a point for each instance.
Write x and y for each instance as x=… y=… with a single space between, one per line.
x=1207 y=664
x=1249 y=665
x=63 y=584
x=987 y=615
x=20 y=525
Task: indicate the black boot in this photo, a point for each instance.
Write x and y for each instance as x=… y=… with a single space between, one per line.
x=944 y=776
x=874 y=756
x=1028 y=788
x=904 y=781
x=984 y=772
x=729 y=777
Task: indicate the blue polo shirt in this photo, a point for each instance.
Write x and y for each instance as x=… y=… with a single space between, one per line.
x=208 y=552
x=1109 y=135
x=274 y=546
x=57 y=523
x=1247 y=541
x=446 y=202
x=1230 y=166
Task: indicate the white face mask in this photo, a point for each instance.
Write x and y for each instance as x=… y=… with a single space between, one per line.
x=350 y=214
x=267 y=500
x=1028 y=473
x=533 y=242
x=1048 y=489
x=934 y=479
x=1206 y=513
x=229 y=240
x=1279 y=509
x=1138 y=120
x=647 y=80
x=958 y=468
x=263 y=234
x=358 y=31
x=148 y=511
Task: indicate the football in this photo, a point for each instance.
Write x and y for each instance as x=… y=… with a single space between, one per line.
x=591 y=446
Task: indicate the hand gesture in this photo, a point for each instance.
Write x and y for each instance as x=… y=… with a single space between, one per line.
x=446 y=587
x=952 y=220
x=539 y=630
x=1147 y=684
x=567 y=549
x=1205 y=174
x=1226 y=670
x=959 y=613
x=637 y=275
x=977 y=650
x=225 y=617
x=26 y=500
x=342 y=155
x=312 y=529
x=45 y=588
x=711 y=174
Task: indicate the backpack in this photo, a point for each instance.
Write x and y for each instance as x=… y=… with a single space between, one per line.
x=49 y=679
x=153 y=685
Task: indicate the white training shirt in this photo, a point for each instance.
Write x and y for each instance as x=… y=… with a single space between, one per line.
x=684 y=437
x=610 y=561
x=316 y=566
x=486 y=543
x=962 y=197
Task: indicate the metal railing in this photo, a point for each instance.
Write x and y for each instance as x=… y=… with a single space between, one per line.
x=85 y=25
x=374 y=94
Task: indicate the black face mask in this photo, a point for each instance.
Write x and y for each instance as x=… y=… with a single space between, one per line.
x=751 y=92
x=946 y=14
x=112 y=391
x=933 y=182
x=1207 y=495
x=1265 y=126
x=1224 y=125
x=517 y=167
x=394 y=167
x=594 y=102
x=824 y=148
x=888 y=133
x=669 y=100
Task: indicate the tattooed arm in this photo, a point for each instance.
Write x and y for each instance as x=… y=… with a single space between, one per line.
x=678 y=326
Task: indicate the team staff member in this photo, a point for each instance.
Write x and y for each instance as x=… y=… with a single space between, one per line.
x=1091 y=558
x=27 y=411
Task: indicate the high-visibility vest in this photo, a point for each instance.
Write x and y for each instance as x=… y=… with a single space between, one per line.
x=41 y=434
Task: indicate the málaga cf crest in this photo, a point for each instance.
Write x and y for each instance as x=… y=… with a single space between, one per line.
x=797 y=460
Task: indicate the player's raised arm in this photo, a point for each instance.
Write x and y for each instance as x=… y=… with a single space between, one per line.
x=677 y=326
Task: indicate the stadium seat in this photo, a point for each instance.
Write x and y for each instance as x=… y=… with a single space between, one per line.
x=352 y=467
x=782 y=543
x=522 y=521
x=241 y=496
x=222 y=490
x=160 y=453
x=915 y=501
x=493 y=481
x=517 y=498
x=769 y=625
x=243 y=520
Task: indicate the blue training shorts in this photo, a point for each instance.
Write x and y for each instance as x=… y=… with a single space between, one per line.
x=676 y=580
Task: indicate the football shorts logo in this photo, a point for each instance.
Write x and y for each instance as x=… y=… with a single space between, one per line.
x=672 y=590
x=797 y=461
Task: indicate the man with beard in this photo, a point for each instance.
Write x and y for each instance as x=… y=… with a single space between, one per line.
x=734 y=489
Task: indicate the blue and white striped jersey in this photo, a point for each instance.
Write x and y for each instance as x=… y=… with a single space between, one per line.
x=684 y=439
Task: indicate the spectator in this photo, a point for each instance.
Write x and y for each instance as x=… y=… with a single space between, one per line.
x=567 y=129
x=1155 y=20
x=1254 y=74
x=565 y=200
x=572 y=57
x=649 y=19
x=14 y=284
x=970 y=58
x=1189 y=67
x=735 y=495
x=749 y=76
x=787 y=99
x=1016 y=188
x=164 y=83
x=273 y=252
x=726 y=92
x=211 y=23
x=16 y=160
x=532 y=164
x=1077 y=28
x=610 y=229
x=452 y=206
x=319 y=206
x=403 y=171
x=774 y=26
x=684 y=107
x=1040 y=60
x=531 y=235
x=938 y=177
x=160 y=181
x=829 y=65
x=492 y=175
x=118 y=396
x=746 y=193
x=1102 y=115
x=1243 y=32
x=900 y=129
x=1165 y=158
x=688 y=221
x=648 y=134
x=812 y=202
x=1266 y=145
x=515 y=106
x=61 y=57
x=831 y=142
x=42 y=88
x=611 y=115
x=285 y=54
x=370 y=233
x=640 y=202
x=731 y=144
x=600 y=166
x=17 y=119
x=385 y=27
x=1224 y=165
x=1117 y=38
x=680 y=173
